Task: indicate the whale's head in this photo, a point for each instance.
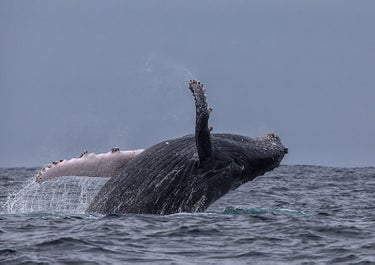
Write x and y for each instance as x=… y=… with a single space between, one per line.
x=246 y=158
x=236 y=160
x=258 y=155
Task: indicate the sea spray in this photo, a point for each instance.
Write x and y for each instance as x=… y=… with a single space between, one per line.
x=63 y=195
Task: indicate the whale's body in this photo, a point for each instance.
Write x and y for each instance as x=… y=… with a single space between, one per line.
x=169 y=177
x=185 y=174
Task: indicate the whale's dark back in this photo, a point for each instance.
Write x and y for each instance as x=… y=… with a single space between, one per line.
x=168 y=178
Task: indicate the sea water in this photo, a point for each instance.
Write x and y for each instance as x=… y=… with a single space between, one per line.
x=292 y=215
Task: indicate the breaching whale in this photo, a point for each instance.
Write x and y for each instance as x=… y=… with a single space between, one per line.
x=185 y=174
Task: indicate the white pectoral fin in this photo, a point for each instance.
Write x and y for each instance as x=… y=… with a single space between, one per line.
x=93 y=165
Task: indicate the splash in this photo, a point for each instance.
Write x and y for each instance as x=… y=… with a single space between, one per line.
x=62 y=195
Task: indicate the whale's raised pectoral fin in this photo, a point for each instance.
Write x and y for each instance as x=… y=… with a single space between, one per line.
x=93 y=165
x=202 y=130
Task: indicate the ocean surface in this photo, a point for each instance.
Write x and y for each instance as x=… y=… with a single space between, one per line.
x=293 y=215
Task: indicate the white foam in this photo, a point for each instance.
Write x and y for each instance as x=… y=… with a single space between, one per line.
x=63 y=195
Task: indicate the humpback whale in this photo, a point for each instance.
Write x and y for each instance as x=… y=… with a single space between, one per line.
x=185 y=174
x=188 y=174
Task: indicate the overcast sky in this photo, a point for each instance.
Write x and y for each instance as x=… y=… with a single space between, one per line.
x=92 y=75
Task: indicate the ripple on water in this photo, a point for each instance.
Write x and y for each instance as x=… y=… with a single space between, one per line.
x=293 y=215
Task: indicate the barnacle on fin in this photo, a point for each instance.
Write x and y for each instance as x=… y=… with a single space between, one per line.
x=115 y=149
x=83 y=154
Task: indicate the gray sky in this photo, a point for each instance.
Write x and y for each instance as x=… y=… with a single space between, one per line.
x=92 y=75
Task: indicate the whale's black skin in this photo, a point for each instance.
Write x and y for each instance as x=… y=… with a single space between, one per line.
x=187 y=174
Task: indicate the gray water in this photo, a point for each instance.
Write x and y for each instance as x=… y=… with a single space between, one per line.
x=293 y=215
